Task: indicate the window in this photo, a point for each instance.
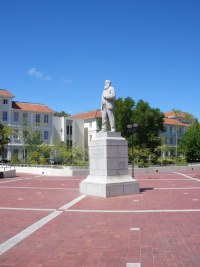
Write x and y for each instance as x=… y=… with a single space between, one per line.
x=90 y=124
x=5 y=101
x=171 y=141
x=16 y=116
x=171 y=130
x=46 y=135
x=5 y=116
x=37 y=118
x=69 y=143
x=46 y=118
x=25 y=118
x=69 y=129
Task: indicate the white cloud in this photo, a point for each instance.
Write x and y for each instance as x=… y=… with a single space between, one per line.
x=67 y=81
x=38 y=74
x=48 y=78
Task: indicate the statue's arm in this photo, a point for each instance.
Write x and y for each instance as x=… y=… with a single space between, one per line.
x=111 y=94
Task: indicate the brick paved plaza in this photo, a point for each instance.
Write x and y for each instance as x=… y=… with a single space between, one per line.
x=45 y=222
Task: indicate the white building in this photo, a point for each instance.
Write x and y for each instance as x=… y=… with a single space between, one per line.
x=92 y=119
x=176 y=123
x=69 y=130
x=36 y=117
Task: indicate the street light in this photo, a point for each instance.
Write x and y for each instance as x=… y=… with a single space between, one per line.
x=131 y=129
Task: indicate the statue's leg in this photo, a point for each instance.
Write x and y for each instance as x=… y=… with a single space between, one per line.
x=104 y=119
x=111 y=120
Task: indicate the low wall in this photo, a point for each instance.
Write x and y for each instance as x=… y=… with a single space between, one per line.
x=165 y=169
x=78 y=171
x=63 y=171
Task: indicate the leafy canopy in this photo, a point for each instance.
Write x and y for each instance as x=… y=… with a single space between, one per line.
x=150 y=122
x=5 y=132
x=190 y=143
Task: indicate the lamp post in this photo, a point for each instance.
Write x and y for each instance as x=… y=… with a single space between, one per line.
x=131 y=129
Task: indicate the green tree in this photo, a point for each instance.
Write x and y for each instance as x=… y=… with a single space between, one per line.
x=150 y=123
x=5 y=132
x=146 y=136
x=62 y=154
x=189 y=118
x=190 y=143
x=32 y=142
x=124 y=109
x=61 y=114
x=99 y=123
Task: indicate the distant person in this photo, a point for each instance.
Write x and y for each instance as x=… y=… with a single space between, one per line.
x=107 y=107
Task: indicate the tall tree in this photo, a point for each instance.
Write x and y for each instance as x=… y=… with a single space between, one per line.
x=190 y=143
x=124 y=114
x=145 y=137
x=32 y=142
x=150 y=123
x=5 y=132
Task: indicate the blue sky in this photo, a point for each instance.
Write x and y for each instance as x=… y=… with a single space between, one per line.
x=60 y=52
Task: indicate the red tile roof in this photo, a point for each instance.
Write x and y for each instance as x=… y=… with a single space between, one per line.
x=31 y=107
x=4 y=92
x=88 y=115
x=175 y=114
x=175 y=122
x=97 y=114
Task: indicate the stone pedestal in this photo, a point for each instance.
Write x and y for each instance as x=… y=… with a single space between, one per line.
x=108 y=153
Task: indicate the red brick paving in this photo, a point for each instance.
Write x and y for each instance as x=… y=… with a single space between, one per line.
x=77 y=238
x=12 y=222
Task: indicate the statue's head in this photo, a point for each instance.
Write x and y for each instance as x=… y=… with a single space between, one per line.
x=107 y=83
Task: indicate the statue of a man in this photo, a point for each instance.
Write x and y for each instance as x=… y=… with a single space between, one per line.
x=107 y=106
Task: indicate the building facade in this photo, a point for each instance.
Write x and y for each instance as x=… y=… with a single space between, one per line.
x=68 y=130
x=35 y=117
x=176 y=123
x=91 y=119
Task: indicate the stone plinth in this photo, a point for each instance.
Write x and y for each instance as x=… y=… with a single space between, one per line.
x=7 y=173
x=109 y=176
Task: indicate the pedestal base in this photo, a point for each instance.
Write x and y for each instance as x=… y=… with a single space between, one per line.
x=110 y=186
x=109 y=176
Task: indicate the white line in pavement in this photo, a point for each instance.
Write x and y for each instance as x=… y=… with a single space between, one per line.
x=162 y=179
x=9 y=181
x=26 y=232
x=43 y=188
x=34 y=227
x=175 y=188
x=56 y=179
x=26 y=209
x=133 y=211
x=195 y=179
x=133 y=264
x=71 y=203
